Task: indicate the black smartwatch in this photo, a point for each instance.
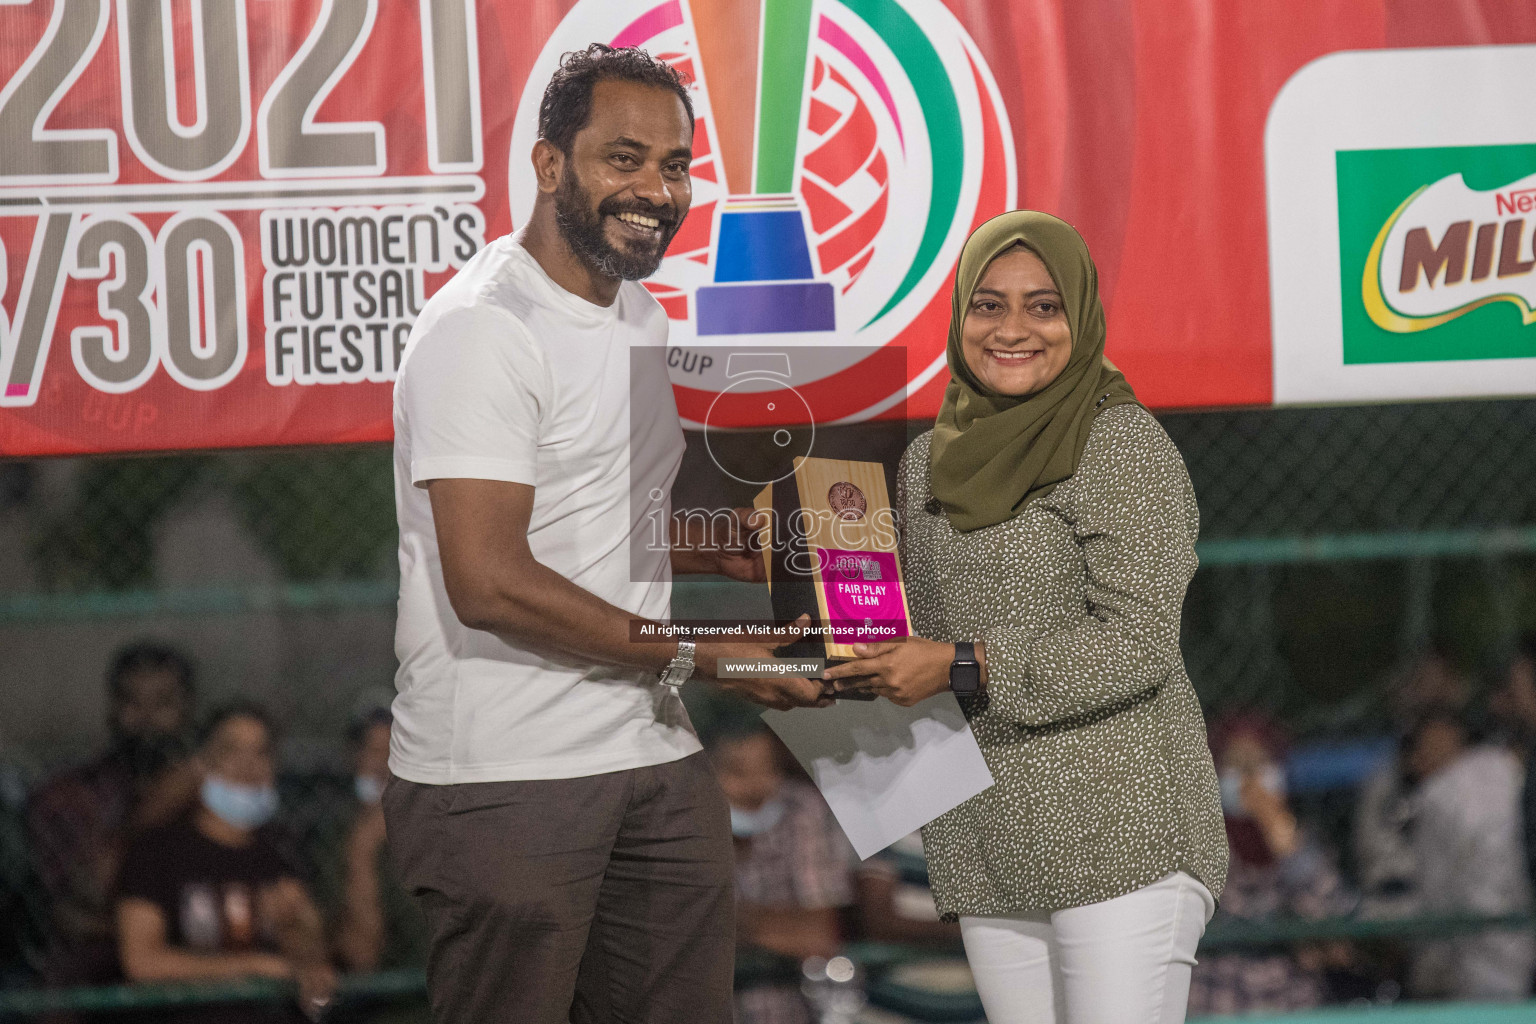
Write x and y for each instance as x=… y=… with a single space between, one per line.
x=965 y=671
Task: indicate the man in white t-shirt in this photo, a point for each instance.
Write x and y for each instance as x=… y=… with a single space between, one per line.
x=551 y=808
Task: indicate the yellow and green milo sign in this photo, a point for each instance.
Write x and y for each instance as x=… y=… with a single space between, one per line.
x=1435 y=252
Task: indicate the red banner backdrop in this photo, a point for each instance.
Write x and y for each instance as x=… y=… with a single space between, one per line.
x=217 y=226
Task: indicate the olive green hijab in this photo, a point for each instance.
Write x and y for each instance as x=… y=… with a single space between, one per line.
x=991 y=453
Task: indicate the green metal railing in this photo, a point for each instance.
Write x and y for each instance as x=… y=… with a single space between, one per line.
x=1229 y=936
x=877 y=958
x=1360 y=546
x=1442 y=1013
x=318 y=596
x=114 y=998
x=215 y=600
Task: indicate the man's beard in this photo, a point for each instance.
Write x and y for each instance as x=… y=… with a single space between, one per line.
x=582 y=229
x=149 y=755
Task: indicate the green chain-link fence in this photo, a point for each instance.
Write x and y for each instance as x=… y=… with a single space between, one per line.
x=1334 y=542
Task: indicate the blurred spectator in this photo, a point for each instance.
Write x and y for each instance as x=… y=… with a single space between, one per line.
x=19 y=910
x=1386 y=863
x=1514 y=708
x=895 y=902
x=78 y=821
x=212 y=896
x=793 y=868
x=1431 y=681
x=1513 y=701
x=1385 y=859
x=376 y=925
x=1470 y=858
x=1277 y=871
x=16 y=481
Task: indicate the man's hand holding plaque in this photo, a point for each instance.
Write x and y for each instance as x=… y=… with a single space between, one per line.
x=770 y=690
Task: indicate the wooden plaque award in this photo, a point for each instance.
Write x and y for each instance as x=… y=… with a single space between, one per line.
x=830 y=550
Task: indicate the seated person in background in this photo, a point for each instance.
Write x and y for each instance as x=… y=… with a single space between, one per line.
x=895 y=905
x=1513 y=699
x=21 y=911
x=793 y=867
x=1470 y=860
x=1276 y=871
x=1513 y=704
x=212 y=896
x=1385 y=861
x=1429 y=682
x=376 y=925
x=78 y=821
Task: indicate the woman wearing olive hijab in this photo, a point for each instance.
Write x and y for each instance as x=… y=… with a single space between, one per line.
x=1049 y=521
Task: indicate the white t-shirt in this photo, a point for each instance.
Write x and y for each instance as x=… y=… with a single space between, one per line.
x=508 y=376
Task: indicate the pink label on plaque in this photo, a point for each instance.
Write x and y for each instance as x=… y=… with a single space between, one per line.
x=863 y=595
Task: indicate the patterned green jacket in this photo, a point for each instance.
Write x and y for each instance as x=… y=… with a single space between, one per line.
x=1093 y=733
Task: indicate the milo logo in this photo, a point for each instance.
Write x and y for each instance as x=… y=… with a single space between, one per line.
x=1436 y=253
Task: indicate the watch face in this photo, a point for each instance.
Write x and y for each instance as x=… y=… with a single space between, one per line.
x=965 y=679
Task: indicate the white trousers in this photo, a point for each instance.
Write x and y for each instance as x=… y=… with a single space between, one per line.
x=1123 y=961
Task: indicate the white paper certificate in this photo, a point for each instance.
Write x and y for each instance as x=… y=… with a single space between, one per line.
x=885 y=770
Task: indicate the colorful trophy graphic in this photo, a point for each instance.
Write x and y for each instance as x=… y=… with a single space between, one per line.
x=754 y=55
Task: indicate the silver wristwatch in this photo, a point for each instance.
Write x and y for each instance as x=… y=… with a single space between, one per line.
x=679 y=668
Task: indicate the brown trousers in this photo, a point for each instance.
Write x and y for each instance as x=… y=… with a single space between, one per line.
x=593 y=900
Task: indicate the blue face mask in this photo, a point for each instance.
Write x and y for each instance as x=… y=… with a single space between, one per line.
x=1271 y=777
x=239 y=805
x=746 y=824
x=369 y=789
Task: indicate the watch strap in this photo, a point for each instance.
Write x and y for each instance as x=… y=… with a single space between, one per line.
x=965 y=670
x=680 y=668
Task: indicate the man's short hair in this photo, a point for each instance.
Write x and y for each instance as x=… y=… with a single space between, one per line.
x=567 y=104
x=149 y=656
x=232 y=710
x=1438 y=714
x=733 y=728
x=357 y=728
x=1525 y=646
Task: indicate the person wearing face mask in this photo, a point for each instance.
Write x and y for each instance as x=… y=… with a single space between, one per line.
x=1513 y=703
x=375 y=925
x=214 y=896
x=1048 y=538
x=793 y=867
x=78 y=822
x=1277 y=870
